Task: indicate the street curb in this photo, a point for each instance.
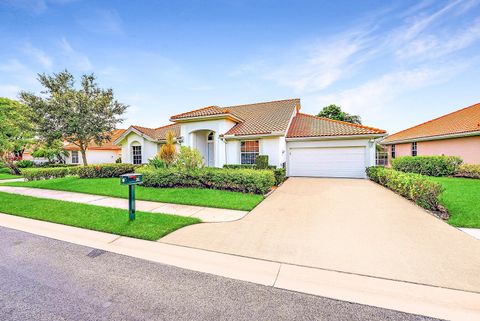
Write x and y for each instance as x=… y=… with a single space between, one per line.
x=395 y=295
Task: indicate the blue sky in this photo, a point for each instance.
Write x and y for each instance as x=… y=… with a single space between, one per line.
x=395 y=63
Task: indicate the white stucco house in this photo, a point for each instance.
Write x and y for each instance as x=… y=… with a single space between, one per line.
x=105 y=153
x=306 y=145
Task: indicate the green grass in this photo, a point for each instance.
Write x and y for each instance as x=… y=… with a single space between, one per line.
x=112 y=187
x=7 y=176
x=461 y=197
x=147 y=226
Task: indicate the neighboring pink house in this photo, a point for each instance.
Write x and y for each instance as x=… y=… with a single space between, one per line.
x=454 y=134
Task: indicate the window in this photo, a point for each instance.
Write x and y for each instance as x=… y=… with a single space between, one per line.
x=249 y=151
x=137 y=154
x=74 y=156
x=210 y=136
x=392 y=151
x=414 y=149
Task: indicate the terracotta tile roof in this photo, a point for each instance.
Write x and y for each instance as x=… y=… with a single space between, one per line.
x=461 y=121
x=263 y=118
x=105 y=146
x=304 y=125
x=159 y=133
x=206 y=111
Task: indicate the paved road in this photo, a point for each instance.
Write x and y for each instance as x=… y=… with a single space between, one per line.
x=45 y=279
x=350 y=225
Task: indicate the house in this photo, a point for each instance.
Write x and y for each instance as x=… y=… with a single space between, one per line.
x=454 y=134
x=306 y=145
x=107 y=152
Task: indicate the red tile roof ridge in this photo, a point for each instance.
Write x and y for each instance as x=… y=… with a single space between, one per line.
x=434 y=119
x=265 y=102
x=344 y=122
x=165 y=126
x=197 y=110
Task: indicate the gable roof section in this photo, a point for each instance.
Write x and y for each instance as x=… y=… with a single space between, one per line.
x=105 y=146
x=153 y=134
x=263 y=118
x=463 y=121
x=304 y=125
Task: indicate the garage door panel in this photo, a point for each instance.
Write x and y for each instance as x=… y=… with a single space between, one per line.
x=327 y=162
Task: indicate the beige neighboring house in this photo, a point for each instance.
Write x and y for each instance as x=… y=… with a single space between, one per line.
x=454 y=134
x=305 y=144
x=105 y=153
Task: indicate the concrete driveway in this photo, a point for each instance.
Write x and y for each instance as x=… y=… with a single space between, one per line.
x=347 y=225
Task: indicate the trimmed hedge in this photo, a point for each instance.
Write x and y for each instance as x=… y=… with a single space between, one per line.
x=240 y=166
x=239 y=180
x=412 y=186
x=105 y=170
x=427 y=165
x=468 y=170
x=261 y=162
x=34 y=174
x=24 y=163
x=279 y=173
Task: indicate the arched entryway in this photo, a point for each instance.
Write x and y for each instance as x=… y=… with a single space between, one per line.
x=204 y=141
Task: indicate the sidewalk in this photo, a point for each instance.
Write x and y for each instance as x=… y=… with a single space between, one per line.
x=402 y=296
x=206 y=214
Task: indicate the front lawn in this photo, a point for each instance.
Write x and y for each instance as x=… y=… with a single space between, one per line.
x=461 y=197
x=187 y=196
x=8 y=176
x=147 y=226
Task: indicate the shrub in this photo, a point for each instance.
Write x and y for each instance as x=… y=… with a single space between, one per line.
x=240 y=166
x=156 y=162
x=104 y=170
x=24 y=163
x=239 y=180
x=279 y=175
x=412 y=186
x=261 y=162
x=427 y=165
x=118 y=160
x=468 y=170
x=189 y=158
x=33 y=174
x=168 y=151
x=5 y=170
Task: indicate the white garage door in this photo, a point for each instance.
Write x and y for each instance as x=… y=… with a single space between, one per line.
x=327 y=162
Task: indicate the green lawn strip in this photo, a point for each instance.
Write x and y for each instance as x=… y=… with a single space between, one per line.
x=8 y=176
x=461 y=197
x=187 y=196
x=147 y=226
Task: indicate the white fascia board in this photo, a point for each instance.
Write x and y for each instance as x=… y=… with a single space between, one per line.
x=427 y=138
x=273 y=134
x=209 y=117
x=293 y=139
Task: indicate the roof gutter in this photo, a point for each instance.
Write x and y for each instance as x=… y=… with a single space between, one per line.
x=438 y=137
x=311 y=138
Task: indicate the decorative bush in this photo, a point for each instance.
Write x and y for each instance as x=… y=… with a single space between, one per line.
x=468 y=170
x=104 y=170
x=412 y=186
x=5 y=170
x=427 y=165
x=188 y=158
x=239 y=180
x=24 y=163
x=33 y=174
x=156 y=162
x=279 y=173
x=261 y=161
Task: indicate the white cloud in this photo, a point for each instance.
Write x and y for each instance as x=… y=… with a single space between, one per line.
x=103 y=22
x=40 y=56
x=9 y=91
x=76 y=58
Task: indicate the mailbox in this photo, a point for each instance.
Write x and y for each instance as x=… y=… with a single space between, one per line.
x=131 y=179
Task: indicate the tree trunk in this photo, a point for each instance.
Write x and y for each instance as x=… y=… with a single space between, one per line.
x=84 y=156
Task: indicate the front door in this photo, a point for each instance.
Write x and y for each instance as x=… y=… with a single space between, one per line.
x=210 y=154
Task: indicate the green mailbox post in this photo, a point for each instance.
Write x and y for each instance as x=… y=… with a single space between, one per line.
x=131 y=180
